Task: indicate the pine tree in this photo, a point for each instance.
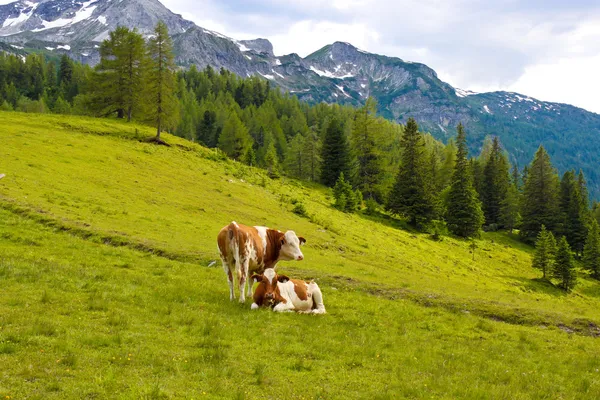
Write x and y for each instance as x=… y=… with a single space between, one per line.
x=162 y=103
x=463 y=215
x=335 y=153
x=545 y=252
x=495 y=183
x=540 y=204
x=365 y=146
x=564 y=267
x=591 y=252
x=411 y=195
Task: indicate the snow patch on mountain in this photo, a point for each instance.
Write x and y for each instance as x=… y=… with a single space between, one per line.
x=242 y=47
x=82 y=14
x=341 y=88
x=22 y=17
x=464 y=93
x=327 y=74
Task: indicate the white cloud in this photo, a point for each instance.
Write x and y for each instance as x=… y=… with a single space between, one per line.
x=569 y=80
x=318 y=34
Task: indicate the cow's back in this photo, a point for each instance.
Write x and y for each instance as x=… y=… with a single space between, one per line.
x=237 y=242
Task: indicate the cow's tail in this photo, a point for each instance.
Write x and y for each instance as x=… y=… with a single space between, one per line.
x=318 y=306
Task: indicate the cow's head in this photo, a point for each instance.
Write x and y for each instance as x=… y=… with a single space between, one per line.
x=267 y=292
x=290 y=246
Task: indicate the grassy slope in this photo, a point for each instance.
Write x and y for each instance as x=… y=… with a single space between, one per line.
x=73 y=309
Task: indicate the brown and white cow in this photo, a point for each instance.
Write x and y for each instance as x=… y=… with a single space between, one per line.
x=250 y=249
x=285 y=294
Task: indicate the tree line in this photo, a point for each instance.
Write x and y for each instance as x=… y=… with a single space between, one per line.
x=363 y=157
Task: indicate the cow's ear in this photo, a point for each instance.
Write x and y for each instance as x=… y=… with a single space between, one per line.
x=256 y=277
x=302 y=240
x=282 y=278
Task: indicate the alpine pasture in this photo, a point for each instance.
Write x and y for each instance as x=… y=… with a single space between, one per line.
x=109 y=290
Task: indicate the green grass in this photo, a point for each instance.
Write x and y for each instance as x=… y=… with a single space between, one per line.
x=106 y=293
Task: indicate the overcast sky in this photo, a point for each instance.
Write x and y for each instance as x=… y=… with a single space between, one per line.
x=548 y=49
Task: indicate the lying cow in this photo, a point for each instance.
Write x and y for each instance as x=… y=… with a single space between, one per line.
x=285 y=294
x=252 y=249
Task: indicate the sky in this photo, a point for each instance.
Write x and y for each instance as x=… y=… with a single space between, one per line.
x=547 y=49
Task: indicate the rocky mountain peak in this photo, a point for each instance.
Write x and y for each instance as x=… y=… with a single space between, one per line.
x=259 y=45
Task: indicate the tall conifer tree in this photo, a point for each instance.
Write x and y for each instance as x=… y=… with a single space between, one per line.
x=540 y=204
x=335 y=153
x=572 y=214
x=545 y=252
x=564 y=267
x=162 y=103
x=591 y=252
x=365 y=147
x=495 y=183
x=464 y=215
x=412 y=195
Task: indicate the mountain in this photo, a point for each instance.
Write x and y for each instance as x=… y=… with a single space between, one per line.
x=78 y=27
x=338 y=73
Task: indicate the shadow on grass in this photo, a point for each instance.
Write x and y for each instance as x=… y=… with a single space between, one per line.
x=538 y=285
x=592 y=290
x=507 y=239
x=387 y=220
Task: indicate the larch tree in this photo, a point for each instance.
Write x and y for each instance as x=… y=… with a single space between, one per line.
x=235 y=141
x=366 y=149
x=161 y=99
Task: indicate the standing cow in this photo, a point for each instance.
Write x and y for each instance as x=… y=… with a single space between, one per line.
x=250 y=249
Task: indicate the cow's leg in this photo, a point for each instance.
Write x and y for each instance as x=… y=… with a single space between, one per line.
x=283 y=307
x=229 y=274
x=250 y=285
x=243 y=277
x=317 y=297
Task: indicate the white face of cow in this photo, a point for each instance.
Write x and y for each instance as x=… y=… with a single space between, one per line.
x=290 y=247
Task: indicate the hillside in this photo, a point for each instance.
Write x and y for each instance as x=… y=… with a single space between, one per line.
x=105 y=248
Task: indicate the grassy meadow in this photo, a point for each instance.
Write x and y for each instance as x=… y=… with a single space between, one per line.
x=106 y=289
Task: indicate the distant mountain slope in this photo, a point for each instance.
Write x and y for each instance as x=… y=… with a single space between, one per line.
x=338 y=73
